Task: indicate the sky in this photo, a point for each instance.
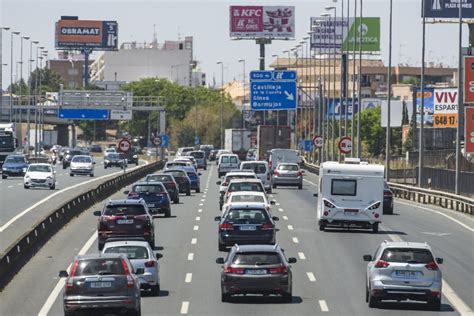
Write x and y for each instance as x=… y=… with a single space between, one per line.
x=208 y=22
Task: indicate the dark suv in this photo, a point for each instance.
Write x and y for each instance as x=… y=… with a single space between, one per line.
x=125 y=219
x=256 y=269
x=169 y=182
x=181 y=177
x=99 y=281
x=68 y=156
x=154 y=194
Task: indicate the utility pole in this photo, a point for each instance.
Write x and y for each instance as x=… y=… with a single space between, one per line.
x=222 y=104
x=389 y=97
x=422 y=98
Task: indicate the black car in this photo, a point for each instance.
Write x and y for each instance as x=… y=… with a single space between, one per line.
x=387 y=199
x=95 y=148
x=132 y=156
x=114 y=159
x=169 y=183
x=256 y=269
x=14 y=165
x=245 y=224
x=68 y=156
x=181 y=177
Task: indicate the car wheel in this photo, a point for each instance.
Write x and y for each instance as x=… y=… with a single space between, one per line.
x=101 y=246
x=220 y=207
x=136 y=312
x=434 y=304
x=64 y=166
x=71 y=174
x=188 y=192
x=287 y=297
x=105 y=167
x=4 y=177
x=176 y=201
x=373 y=301
x=136 y=164
x=375 y=228
x=91 y=175
x=70 y=313
x=155 y=290
x=300 y=186
x=152 y=242
x=366 y=293
x=322 y=226
x=26 y=187
x=205 y=168
x=225 y=297
x=274 y=186
x=198 y=190
x=168 y=213
x=52 y=187
x=221 y=247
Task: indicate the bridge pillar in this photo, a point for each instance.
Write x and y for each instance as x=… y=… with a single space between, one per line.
x=63 y=135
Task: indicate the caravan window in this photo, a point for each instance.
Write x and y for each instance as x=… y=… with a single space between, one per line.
x=343 y=187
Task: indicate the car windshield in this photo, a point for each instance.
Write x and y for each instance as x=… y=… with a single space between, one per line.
x=75 y=152
x=248 y=198
x=148 y=188
x=197 y=154
x=132 y=252
x=112 y=210
x=258 y=168
x=113 y=156
x=176 y=164
x=288 y=167
x=256 y=258
x=407 y=255
x=159 y=178
x=17 y=159
x=82 y=159
x=39 y=168
x=234 y=187
x=99 y=266
x=248 y=216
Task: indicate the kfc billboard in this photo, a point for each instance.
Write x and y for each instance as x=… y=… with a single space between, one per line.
x=273 y=22
x=86 y=34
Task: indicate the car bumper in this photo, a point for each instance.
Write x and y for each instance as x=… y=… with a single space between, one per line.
x=13 y=173
x=230 y=240
x=81 y=171
x=195 y=185
x=184 y=187
x=32 y=184
x=149 y=278
x=402 y=292
x=159 y=208
x=87 y=302
x=234 y=284
x=103 y=236
x=287 y=181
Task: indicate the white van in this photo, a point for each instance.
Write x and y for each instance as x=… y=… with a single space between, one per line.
x=350 y=195
x=262 y=171
x=226 y=163
x=277 y=156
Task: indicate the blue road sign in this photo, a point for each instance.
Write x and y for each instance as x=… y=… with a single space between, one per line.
x=196 y=140
x=165 y=140
x=308 y=145
x=273 y=90
x=273 y=75
x=83 y=114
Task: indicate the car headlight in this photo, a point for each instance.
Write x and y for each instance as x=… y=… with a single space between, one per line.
x=329 y=204
x=24 y=169
x=135 y=156
x=374 y=206
x=27 y=176
x=49 y=177
x=4 y=169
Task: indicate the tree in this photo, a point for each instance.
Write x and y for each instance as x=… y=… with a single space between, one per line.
x=49 y=79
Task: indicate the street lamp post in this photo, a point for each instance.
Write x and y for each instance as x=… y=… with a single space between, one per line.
x=359 y=135
x=389 y=95
x=328 y=81
x=222 y=104
x=21 y=83
x=2 y=28
x=243 y=100
x=333 y=119
x=460 y=106
x=28 y=127
x=36 y=98
x=353 y=103
x=11 y=75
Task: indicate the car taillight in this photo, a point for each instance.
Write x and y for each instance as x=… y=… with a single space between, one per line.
x=130 y=282
x=300 y=174
x=387 y=194
x=381 y=264
x=225 y=184
x=234 y=270
x=276 y=173
x=267 y=226
x=280 y=269
x=226 y=226
x=70 y=283
x=432 y=266
x=328 y=204
x=133 y=195
x=150 y=264
x=268 y=176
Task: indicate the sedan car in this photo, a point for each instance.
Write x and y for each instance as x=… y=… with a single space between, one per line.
x=114 y=159
x=141 y=256
x=169 y=182
x=387 y=199
x=82 y=165
x=245 y=223
x=14 y=165
x=40 y=175
x=403 y=271
x=256 y=269
x=102 y=281
x=155 y=195
x=288 y=174
x=181 y=177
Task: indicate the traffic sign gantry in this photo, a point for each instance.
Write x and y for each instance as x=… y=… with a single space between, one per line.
x=345 y=145
x=273 y=90
x=124 y=145
x=318 y=141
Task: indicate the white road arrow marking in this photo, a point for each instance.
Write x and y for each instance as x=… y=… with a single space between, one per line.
x=289 y=96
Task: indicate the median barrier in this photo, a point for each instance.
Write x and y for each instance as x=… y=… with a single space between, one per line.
x=27 y=245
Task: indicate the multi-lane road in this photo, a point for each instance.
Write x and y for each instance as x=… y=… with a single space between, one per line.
x=327 y=279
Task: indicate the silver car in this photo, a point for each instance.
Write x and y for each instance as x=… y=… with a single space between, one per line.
x=403 y=271
x=288 y=174
x=141 y=256
x=200 y=157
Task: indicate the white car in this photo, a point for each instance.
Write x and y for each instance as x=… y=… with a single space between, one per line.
x=110 y=150
x=82 y=164
x=262 y=171
x=40 y=175
x=244 y=197
x=226 y=163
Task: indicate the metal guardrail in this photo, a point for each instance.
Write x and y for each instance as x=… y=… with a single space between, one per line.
x=425 y=196
x=27 y=245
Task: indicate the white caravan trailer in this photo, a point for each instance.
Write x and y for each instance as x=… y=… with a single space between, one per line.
x=350 y=195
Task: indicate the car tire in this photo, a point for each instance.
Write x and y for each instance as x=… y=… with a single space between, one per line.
x=71 y=174
x=322 y=227
x=152 y=242
x=52 y=187
x=64 y=166
x=100 y=246
x=176 y=201
x=373 y=301
x=188 y=192
x=198 y=190
x=366 y=293
x=136 y=312
x=287 y=297
x=434 y=304
x=26 y=187
x=225 y=297
x=274 y=186
x=105 y=166
x=4 y=177
x=70 y=313
x=91 y=175
x=155 y=290
x=136 y=164
x=375 y=228
x=300 y=186
x=221 y=247
x=168 y=213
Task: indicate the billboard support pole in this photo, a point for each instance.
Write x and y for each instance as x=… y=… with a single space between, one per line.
x=359 y=136
x=353 y=80
x=460 y=107
x=422 y=100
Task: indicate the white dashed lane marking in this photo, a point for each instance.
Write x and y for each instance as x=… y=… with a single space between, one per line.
x=196 y=227
x=190 y=256
x=200 y=210
x=285 y=217
x=280 y=210
x=301 y=256
x=189 y=278
x=184 y=308
x=198 y=218
x=194 y=241
x=295 y=240
x=311 y=276
x=323 y=306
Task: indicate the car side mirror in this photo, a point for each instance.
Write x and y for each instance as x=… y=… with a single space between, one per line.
x=217 y=218
x=126 y=192
x=302 y=171
x=272 y=202
x=93 y=162
x=97 y=213
x=218 y=182
x=63 y=274
x=276 y=219
x=140 y=271
x=439 y=260
x=158 y=256
x=199 y=174
x=292 y=260
x=315 y=194
x=220 y=260
x=367 y=258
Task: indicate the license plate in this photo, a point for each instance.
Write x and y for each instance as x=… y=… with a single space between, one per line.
x=256 y=271
x=408 y=274
x=248 y=227
x=150 y=204
x=100 y=285
x=351 y=212
x=124 y=221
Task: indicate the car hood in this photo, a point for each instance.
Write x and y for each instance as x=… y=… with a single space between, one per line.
x=39 y=175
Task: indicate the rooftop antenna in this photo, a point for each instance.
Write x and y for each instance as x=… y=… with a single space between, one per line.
x=155 y=36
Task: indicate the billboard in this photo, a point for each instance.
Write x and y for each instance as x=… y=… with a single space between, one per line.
x=469 y=79
x=428 y=106
x=273 y=22
x=326 y=30
x=448 y=9
x=86 y=34
x=469 y=129
x=445 y=108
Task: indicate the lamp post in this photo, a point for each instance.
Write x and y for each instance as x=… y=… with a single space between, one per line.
x=222 y=104
x=353 y=82
x=243 y=100
x=359 y=136
x=11 y=74
x=21 y=83
x=389 y=95
x=328 y=81
x=36 y=98
x=44 y=54
x=28 y=127
x=2 y=28
x=295 y=119
x=308 y=86
x=333 y=119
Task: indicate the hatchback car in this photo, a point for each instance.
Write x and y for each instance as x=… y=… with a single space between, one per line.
x=387 y=199
x=95 y=148
x=248 y=197
x=262 y=171
x=102 y=281
x=125 y=219
x=181 y=177
x=288 y=174
x=40 y=175
x=403 y=271
x=114 y=159
x=237 y=185
x=256 y=269
x=194 y=178
x=231 y=175
x=246 y=223
x=141 y=256
x=83 y=165
x=200 y=157
x=169 y=182
x=174 y=164
x=155 y=195
x=14 y=165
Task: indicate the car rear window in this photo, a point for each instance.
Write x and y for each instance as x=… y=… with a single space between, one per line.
x=39 y=168
x=101 y=266
x=17 y=159
x=254 y=187
x=288 y=167
x=248 y=198
x=240 y=176
x=148 y=188
x=248 y=215
x=111 y=210
x=344 y=187
x=132 y=252
x=258 y=168
x=233 y=159
x=225 y=159
x=198 y=155
x=407 y=255
x=81 y=159
x=176 y=173
x=159 y=178
x=192 y=174
x=256 y=258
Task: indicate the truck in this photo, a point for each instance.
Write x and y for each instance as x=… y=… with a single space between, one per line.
x=237 y=141
x=270 y=137
x=9 y=135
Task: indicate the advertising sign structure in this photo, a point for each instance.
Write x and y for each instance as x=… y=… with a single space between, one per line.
x=469 y=128
x=469 y=79
x=428 y=106
x=86 y=34
x=448 y=9
x=445 y=108
x=326 y=29
x=251 y=22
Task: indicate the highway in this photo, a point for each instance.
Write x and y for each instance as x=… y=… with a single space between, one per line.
x=327 y=279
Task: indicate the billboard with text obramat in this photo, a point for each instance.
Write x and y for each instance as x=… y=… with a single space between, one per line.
x=86 y=34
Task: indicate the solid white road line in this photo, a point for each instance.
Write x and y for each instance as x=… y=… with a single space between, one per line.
x=184 y=308
x=285 y=217
x=323 y=306
x=290 y=227
x=311 y=276
x=295 y=240
x=59 y=286
x=189 y=278
x=190 y=256
x=196 y=227
x=198 y=218
x=301 y=256
x=194 y=241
